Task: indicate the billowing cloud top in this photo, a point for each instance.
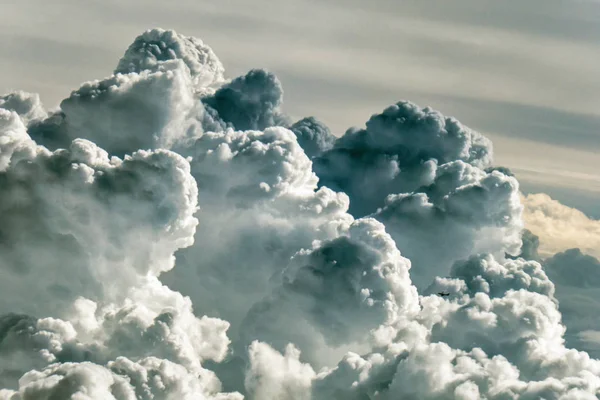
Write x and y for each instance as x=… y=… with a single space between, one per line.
x=157 y=46
x=168 y=233
x=398 y=152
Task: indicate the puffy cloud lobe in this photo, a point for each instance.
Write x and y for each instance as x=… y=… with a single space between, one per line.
x=151 y=101
x=157 y=46
x=103 y=229
x=484 y=274
x=313 y=136
x=338 y=294
x=464 y=211
x=496 y=304
x=27 y=105
x=164 y=327
x=15 y=144
x=436 y=371
x=122 y=379
x=397 y=152
x=88 y=217
x=277 y=376
x=250 y=102
x=260 y=205
x=124 y=113
x=518 y=320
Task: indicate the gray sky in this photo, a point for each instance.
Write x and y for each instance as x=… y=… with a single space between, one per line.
x=524 y=72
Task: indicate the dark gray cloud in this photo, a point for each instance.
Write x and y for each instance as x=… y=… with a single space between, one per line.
x=397 y=152
x=251 y=101
x=577 y=279
x=573 y=268
x=531 y=244
x=313 y=136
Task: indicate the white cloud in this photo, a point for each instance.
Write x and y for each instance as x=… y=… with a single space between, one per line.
x=156 y=46
x=136 y=227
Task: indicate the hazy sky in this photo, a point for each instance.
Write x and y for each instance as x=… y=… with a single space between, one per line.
x=523 y=72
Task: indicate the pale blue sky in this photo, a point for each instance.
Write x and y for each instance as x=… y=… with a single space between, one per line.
x=524 y=72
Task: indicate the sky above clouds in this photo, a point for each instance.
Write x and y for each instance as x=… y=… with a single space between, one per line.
x=524 y=73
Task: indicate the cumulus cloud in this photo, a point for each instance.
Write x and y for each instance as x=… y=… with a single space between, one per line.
x=169 y=233
x=251 y=101
x=577 y=279
x=124 y=113
x=150 y=378
x=313 y=136
x=84 y=239
x=27 y=105
x=397 y=152
x=89 y=216
x=260 y=205
x=463 y=211
x=157 y=46
x=344 y=292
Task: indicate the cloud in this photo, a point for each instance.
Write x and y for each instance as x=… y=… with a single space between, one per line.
x=157 y=46
x=124 y=113
x=84 y=238
x=274 y=375
x=313 y=136
x=503 y=342
x=560 y=227
x=170 y=233
x=88 y=217
x=464 y=211
x=149 y=378
x=27 y=105
x=251 y=101
x=577 y=279
x=344 y=292
x=260 y=205
x=398 y=152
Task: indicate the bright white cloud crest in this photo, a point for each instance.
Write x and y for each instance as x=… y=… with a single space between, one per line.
x=165 y=236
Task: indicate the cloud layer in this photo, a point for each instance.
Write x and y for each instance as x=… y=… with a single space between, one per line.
x=172 y=234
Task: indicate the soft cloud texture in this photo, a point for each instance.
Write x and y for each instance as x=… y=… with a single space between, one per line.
x=398 y=152
x=171 y=234
x=574 y=271
x=560 y=227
